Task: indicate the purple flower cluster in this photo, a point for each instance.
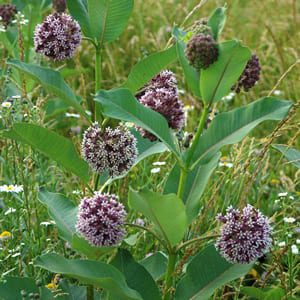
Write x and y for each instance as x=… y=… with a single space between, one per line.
x=112 y=150
x=57 y=37
x=161 y=95
x=100 y=220
x=60 y=5
x=250 y=75
x=245 y=235
x=7 y=13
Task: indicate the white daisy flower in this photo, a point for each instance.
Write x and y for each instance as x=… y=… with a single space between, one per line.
x=6 y=104
x=289 y=220
x=11 y=188
x=155 y=170
x=295 y=249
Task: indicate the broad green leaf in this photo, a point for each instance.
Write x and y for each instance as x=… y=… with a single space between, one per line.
x=291 y=154
x=191 y=75
x=161 y=209
x=78 y=10
x=63 y=211
x=217 y=80
x=231 y=127
x=54 y=146
x=121 y=104
x=156 y=265
x=253 y=292
x=11 y=287
x=206 y=272
x=149 y=67
x=89 y=272
x=194 y=187
x=108 y=18
x=217 y=21
x=137 y=277
x=50 y=80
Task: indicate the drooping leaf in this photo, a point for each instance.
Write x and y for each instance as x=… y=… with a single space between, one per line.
x=217 y=21
x=54 y=146
x=192 y=76
x=215 y=272
x=63 y=211
x=291 y=154
x=89 y=272
x=155 y=264
x=121 y=104
x=231 y=127
x=161 y=210
x=108 y=18
x=149 y=67
x=217 y=80
x=50 y=80
x=137 y=277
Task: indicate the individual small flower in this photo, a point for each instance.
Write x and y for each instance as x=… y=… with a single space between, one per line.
x=59 y=5
x=295 y=249
x=281 y=244
x=297 y=241
x=155 y=170
x=289 y=220
x=291 y=197
x=159 y=163
x=47 y=223
x=250 y=75
x=112 y=150
x=161 y=95
x=281 y=195
x=201 y=51
x=100 y=220
x=6 y=104
x=277 y=92
x=10 y=210
x=275 y=181
x=72 y=115
x=11 y=188
x=57 y=37
x=7 y=13
x=139 y=222
x=5 y=235
x=245 y=235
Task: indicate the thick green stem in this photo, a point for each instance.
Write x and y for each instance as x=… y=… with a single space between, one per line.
x=98 y=77
x=182 y=180
x=89 y=292
x=170 y=275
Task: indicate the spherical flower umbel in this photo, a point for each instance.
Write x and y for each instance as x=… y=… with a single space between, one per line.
x=161 y=95
x=201 y=26
x=57 y=37
x=245 y=235
x=100 y=220
x=112 y=150
x=7 y=13
x=250 y=75
x=201 y=51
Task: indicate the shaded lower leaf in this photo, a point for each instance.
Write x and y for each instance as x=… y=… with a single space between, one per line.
x=205 y=273
x=89 y=272
x=137 y=277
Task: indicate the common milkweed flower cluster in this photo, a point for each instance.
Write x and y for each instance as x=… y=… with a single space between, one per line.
x=101 y=220
x=245 y=235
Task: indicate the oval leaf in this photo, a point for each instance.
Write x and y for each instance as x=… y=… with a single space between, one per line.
x=215 y=272
x=167 y=212
x=217 y=21
x=89 y=272
x=217 y=80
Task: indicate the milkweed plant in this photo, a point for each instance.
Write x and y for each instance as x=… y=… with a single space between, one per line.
x=124 y=125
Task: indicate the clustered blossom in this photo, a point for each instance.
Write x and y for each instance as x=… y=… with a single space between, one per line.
x=201 y=51
x=245 y=235
x=112 y=150
x=7 y=13
x=161 y=95
x=59 y=5
x=100 y=220
x=57 y=37
x=201 y=26
x=250 y=75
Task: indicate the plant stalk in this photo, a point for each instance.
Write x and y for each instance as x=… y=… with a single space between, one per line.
x=90 y=292
x=182 y=180
x=170 y=276
x=98 y=77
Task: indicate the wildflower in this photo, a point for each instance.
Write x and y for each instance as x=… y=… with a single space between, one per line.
x=7 y=13
x=47 y=223
x=10 y=211
x=11 y=188
x=16 y=97
x=282 y=194
x=6 y=104
x=229 y=97
x=159 y=163
x=57 y=37
x=71 y=115
x=201 y=27
x=281 y=244
x=20 y=19
x=250 y=75
x=5 y=235
x=155 y=170
x=100 y=220
x=245 y=235
x=226 y=164
x=289 y=220
x=112 y=150
x=297 y=241
x=277 y=92
x=161 y=95
x=291 y=198
x=139 y=222
x=295 y=249
x=201 y=51
x=60 y=5
x=275 y=181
